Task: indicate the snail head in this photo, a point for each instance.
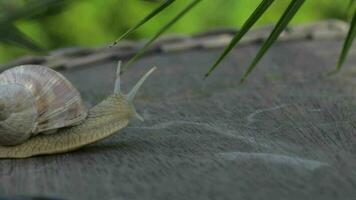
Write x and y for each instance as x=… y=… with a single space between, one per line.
x=132 y=94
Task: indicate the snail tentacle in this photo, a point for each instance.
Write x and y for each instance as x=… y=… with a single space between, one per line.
x=131 y=95
x=117 y=88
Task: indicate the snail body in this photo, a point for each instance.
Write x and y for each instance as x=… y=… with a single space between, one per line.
x=101 y=121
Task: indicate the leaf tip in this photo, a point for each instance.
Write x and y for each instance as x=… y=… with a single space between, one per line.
x=242 y=81
x=206 y=76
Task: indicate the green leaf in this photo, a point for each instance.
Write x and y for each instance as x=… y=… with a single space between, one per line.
x=12 y=35
x=348 y=42
x=264 y=5
x=351 y=7
x=30 y=9
x=287 y=16
x=160 y=8
x=161 y=31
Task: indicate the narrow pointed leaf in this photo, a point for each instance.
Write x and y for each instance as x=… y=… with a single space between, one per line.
x=29 y=10
x=348 y=42
x=12 y=35
x=161 y=31
x=156 y=11
x=264 y=5
x=287 y=16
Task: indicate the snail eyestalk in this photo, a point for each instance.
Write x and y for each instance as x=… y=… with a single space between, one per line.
x=117 y=89
x=131 y=95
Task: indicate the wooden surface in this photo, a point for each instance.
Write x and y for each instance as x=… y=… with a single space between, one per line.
x=288 y=133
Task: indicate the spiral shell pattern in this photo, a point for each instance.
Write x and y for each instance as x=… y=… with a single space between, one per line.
x=58 y=102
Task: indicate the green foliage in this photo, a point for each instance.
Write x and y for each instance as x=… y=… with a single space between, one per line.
x=348 y=42
x=351 y=4
x=160 y=8
x=256 y=15
x=10 y=34
x=281 y=25
x=162 y=30
x=98 y=22
x=11 y=12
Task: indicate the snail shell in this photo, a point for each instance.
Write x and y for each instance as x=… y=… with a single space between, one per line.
x=36 y=99
x=103 y=120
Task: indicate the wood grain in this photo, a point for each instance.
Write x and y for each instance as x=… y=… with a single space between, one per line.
x=287 y=133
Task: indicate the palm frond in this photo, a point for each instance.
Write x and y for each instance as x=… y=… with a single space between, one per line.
x=156 y=11
x=161 y=31
x=287 y=16
x=256 y=15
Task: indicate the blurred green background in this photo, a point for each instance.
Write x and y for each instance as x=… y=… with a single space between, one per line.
x=100 y=22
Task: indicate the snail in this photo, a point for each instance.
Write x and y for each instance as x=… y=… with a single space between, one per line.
x=42 y=113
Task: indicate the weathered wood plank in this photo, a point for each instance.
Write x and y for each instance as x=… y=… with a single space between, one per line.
x=288 y=133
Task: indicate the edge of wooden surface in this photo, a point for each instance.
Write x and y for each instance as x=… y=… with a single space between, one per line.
x=72 y=57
